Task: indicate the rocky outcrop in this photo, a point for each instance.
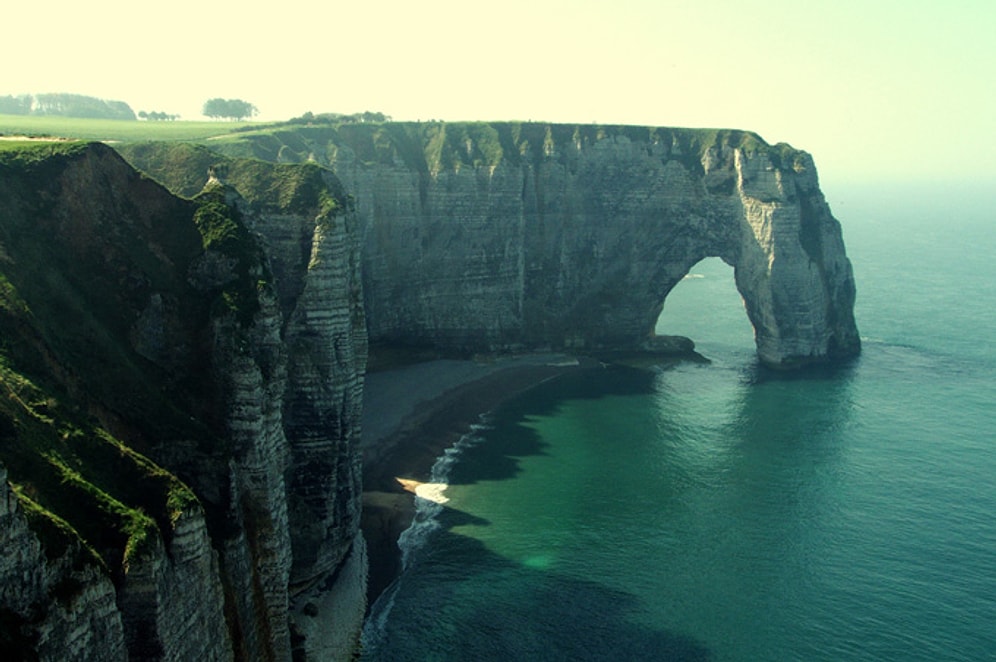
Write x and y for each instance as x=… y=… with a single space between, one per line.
x=576 y=244
x=56 y=603
x=314 y=255
x=151 y=344
x=306 y=228
x=520 y=236
x=179 y=468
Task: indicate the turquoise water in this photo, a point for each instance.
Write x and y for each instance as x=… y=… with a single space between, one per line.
x=722 y=512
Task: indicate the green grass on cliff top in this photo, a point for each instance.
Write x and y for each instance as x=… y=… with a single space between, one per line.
x=113 y=130
x=139 y=130
x=429 y=146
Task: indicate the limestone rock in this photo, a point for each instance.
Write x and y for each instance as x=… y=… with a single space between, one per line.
x=223 y=338
x=60 y=608
x=547 y=236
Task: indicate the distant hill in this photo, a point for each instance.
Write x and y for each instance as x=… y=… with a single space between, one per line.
x=65 y=105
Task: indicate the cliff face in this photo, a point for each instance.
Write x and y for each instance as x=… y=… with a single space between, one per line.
x=85 y=626
x=577 y=244
x=150 y=344
x=508 y=236
x=306 y=228
x=179 y=476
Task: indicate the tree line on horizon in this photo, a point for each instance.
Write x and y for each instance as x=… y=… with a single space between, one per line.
x=66 y=105
x=157 y=116
x=336 y=118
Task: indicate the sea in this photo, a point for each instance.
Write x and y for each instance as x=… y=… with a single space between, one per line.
x=721 y=511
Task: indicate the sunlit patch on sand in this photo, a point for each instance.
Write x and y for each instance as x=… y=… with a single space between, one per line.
x=429 y=491
x=538 y=561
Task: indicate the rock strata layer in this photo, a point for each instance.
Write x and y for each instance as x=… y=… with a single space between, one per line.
x=182 y=372
x=526 y=236
x=178 y=437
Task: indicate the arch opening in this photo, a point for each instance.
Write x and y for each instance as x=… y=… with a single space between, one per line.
x=707 y=307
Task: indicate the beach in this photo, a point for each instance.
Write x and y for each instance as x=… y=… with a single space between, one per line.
x=411 y=415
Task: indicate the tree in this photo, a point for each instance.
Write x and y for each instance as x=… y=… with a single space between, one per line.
x=79 y=105
x=19 y=105
x=234 y=109
x=157 y=116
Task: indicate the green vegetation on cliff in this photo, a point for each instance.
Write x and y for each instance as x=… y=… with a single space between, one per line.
x=290 y=187
x=104 y=344
x=431 y=147
x=224 y=233
x=80 y=487
x=33 y=153
x=112 y=291
x=427 y=147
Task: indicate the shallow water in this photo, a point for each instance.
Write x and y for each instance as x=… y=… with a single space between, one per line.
x=722 y=512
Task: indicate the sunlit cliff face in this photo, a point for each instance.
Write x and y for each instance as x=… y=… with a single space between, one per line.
x=532 y=236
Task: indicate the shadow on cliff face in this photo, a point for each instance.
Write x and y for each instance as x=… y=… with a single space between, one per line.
x=482 y=606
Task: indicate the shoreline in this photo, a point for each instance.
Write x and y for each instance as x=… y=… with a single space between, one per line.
x=413 y=414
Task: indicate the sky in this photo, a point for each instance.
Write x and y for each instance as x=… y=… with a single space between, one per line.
x=896 y=90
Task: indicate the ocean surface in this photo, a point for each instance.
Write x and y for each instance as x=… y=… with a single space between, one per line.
x=721 y=512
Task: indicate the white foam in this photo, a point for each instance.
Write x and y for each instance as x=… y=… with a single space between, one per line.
x=428 y=505
x=375 y=626
x=430 y=497
x=432 y=492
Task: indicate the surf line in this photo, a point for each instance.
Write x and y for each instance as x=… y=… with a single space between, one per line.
x=429 y=503
x=430 y=495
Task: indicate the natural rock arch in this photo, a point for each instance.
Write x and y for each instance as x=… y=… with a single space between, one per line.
x=576 y=245
x=707 y=306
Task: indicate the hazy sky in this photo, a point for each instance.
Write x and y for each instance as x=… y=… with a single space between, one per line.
x=897 y=89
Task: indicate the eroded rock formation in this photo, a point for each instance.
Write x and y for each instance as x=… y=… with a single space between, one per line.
x=179 y=476
x=577 y=244
x=517 y=236
x=151 y=344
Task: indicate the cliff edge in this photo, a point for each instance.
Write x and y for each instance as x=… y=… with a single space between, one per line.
x=177 y=436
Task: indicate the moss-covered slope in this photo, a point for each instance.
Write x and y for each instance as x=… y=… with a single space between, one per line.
x=103 y=342
x=142 y=382
x=266 y=186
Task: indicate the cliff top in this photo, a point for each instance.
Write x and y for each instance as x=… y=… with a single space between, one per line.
x=432 y=145
x=435 y=146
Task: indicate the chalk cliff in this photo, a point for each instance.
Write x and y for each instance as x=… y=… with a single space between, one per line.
x=182 y=372
x=516 y=236
x=177 y=440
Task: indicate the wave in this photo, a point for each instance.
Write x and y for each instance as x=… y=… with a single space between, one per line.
x=430 y=498
x=375 y=627
x=429 y=504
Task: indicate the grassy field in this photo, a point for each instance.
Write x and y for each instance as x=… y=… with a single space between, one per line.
x=114 y=130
